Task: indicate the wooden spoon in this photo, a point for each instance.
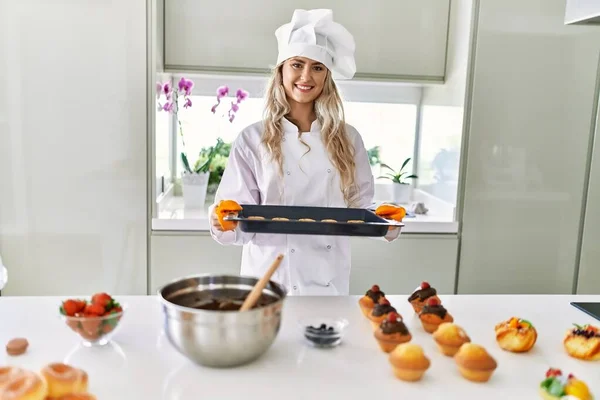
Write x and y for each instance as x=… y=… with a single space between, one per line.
x=260 y=285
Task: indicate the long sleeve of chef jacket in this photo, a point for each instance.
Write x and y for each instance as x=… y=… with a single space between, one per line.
x=366 y=183
x=239 y=184
x=246 y=168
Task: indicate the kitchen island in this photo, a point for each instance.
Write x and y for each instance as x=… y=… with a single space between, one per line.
x=141 y=364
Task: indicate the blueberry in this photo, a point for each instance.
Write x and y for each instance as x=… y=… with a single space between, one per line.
x=322 y=336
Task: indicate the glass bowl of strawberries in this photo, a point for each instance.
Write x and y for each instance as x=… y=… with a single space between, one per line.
x=95 y=321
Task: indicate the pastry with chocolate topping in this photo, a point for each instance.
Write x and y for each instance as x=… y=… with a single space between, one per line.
x=433 y=315
x=370 y=299
x=392 y=332
x=380 y=312
x=419 y=297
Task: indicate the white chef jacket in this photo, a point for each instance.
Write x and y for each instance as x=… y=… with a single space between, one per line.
x=312 y=265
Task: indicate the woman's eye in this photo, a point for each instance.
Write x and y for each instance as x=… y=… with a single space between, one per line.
x=318 y=68
x=296 y=65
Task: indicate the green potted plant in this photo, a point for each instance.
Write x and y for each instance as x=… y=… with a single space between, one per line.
x=215 y=157
x=401 y=189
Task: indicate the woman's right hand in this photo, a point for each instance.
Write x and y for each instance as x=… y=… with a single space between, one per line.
x=216 y=223
x=214 y=220
x=223 y=209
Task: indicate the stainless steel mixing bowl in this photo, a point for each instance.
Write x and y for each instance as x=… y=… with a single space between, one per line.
x=219 y=338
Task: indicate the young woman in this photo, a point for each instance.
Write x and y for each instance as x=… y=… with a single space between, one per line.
x=301 y=154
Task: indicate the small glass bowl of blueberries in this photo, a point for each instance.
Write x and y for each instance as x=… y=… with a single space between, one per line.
x=323 y=332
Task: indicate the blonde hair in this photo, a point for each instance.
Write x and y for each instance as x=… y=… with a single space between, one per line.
x=330 y=114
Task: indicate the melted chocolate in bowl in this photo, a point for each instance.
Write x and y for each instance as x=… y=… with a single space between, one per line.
x=202 y=318
x=219 y=299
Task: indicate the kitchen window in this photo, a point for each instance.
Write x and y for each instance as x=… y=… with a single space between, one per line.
x=387 y=117
x=391 y=127
x=439 y=151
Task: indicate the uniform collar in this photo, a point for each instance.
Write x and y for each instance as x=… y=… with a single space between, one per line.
x=289 y=127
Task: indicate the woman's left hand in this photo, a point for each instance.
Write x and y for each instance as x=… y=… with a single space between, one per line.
x=391 y=212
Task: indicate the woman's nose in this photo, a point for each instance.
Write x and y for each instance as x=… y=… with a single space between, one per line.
x=305 y=73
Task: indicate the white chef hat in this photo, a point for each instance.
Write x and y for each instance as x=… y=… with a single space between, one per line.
x=314 y=34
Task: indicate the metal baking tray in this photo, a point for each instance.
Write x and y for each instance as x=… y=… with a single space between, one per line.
x=372 y=225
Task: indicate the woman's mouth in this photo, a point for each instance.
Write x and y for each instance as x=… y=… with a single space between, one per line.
x=304 y=88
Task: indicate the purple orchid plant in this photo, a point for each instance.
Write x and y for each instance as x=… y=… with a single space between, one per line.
x=240 y=96
x=181 y=94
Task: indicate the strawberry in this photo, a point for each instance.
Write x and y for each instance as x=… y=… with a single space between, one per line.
x=70 y=307
x=425 y=285
x=101 y=299
x=94 y=310
x=553 y=372
x=433 y=302
x=385 y=302
x=375 y=288
x=80 y=305
x=392 y=317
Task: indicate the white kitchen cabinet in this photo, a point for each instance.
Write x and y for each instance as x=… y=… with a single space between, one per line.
x=589 y=273
x=398 y=267
x=527 y=150
x=73 y=146
x=582 y=12
x=395 y=39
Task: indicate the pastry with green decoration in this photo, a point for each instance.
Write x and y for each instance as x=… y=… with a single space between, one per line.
x=556 y=386
x=516 y=335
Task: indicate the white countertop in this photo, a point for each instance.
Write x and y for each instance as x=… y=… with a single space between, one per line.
x=141 y=364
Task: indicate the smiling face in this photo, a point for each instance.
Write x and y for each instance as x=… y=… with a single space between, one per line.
x=303 y=79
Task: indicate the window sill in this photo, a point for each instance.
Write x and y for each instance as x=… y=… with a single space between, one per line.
x=173 y=216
